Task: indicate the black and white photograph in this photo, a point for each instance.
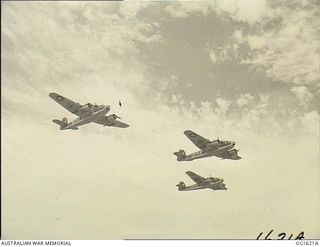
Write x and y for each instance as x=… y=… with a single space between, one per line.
x=126 y=120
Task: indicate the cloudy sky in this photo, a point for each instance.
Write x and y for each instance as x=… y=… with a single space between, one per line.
x=246 y=71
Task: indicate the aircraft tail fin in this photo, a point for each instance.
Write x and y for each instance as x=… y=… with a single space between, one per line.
x=62 y=123
x=180 y=155
x=234 y=154
x=181 y=186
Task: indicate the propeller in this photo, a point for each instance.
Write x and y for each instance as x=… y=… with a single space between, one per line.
x=115 y=116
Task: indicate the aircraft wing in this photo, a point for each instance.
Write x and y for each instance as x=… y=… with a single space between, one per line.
x=217 y=186
x=119 y=124
x=68 y=104
x=197 y=140
x=198 y=179
x=108 y=121
x=230 y=154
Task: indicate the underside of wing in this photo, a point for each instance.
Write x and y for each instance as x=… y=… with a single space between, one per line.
x=198 y=179
x=119 y=124
x=230 y=154
x=110 y=121
x=197 y=140
x=68 y=104
x=218 y=186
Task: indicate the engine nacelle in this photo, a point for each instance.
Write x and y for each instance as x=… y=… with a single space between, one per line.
x=112 y=117
x=233 y=152
x=65 y=121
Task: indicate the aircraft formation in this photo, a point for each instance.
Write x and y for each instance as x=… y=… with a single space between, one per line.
x=219 y=148
x=89 y=113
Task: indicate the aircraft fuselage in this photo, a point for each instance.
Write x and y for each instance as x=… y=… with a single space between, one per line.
x=97 y=113
x=207 y=152
x=195 y=187
x=207 y=184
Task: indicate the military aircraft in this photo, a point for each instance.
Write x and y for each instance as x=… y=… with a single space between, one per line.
x=218 y=148
x=87 y=113
x=202 y=183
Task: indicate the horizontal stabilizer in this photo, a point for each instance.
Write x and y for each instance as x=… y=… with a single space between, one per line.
x=180 y=155
x=59 y=122
x=181 y=186
x=62 y=123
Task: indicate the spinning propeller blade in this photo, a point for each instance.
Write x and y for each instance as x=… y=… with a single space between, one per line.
x=116 y=116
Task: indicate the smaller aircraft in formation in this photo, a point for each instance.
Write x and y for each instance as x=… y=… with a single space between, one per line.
x=218 y=148
x=202 y=183
x=87 y=113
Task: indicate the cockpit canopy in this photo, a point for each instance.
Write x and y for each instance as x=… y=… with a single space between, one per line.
x=224 y=142
x=95 y=107
x=213 y=179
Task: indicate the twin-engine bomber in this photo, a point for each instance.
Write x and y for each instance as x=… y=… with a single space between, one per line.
x=87 y=113
x=202 y=183
x=218 y=148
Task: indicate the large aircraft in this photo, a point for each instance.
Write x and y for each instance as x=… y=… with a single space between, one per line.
x=218 y=148
x=87 y=113
x=202 y=183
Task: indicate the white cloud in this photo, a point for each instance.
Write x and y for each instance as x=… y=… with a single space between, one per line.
x=213 y=57
x=223 y=105
x=83 y=44
x=223 y=54
x=283 y=36
x=182 y=9
x=303 y=94
x=238 y=36
x=264 y=97
x=288 y=51
x=176 y=12
x=257 y=42
x=244 y=99
x=167 y=83
x=132 y=8
x=309 y=122
x=174 y=98
x=251 y=11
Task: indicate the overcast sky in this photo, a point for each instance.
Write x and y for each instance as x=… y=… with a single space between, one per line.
x=245 y=71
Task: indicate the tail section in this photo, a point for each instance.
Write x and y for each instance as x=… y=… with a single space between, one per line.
x=234 y=154
x=181 y=186
x=180 y=155
x=62 y=123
